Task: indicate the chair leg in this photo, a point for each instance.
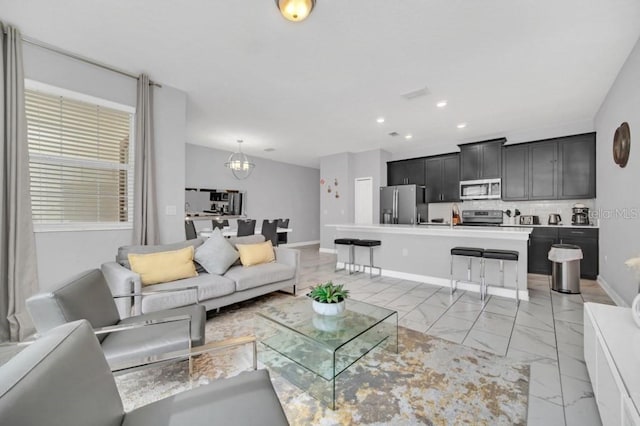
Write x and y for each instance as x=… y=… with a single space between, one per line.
x=451 y=285
x=483 y=282
x=517 y=287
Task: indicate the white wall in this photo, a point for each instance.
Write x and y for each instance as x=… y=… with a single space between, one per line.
x=62 y=254
x=274 y=189
x=618 y=199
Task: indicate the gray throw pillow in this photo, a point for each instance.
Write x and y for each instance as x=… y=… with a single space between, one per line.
x=216 y=255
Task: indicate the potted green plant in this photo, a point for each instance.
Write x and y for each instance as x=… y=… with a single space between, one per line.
x=329 y=298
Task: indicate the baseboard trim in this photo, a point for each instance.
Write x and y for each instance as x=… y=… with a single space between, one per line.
x=445 y=282
x=612 y=293
x=327 y=250
x=301 y=243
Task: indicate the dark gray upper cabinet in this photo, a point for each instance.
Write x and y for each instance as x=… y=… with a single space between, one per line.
x=515 y=172
x=559 y=168
x=405 y=172
x=443 y=178
x=577 y=166
x=543 y=157
x=481 y=160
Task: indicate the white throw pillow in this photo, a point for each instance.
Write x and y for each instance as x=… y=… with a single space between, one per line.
x=216 y=255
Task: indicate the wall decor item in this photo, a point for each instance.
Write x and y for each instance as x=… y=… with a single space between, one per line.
x=622 y=144
x=335 y=181
x=337 y=195
x=329 y=189
x=321 y=181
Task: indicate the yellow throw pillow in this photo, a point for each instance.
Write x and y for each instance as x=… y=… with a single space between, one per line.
x=255 y=254
x=165 y=266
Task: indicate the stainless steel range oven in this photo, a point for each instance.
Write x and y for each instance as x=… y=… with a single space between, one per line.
x=481 y=217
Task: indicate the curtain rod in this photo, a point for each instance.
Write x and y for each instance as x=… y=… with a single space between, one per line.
x=81 y=58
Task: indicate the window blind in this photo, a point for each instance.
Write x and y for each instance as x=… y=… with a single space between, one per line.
x=81 y=160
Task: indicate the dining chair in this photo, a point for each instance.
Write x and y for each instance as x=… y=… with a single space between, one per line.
x=190 y=230
x=269 y=230
x=246 y=227
x=282 y=236
x=219 y=223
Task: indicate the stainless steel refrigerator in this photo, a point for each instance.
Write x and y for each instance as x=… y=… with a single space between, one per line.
x=403 y=204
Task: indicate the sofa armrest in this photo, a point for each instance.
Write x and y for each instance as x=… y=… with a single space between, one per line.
x=291 y=257
x=123 y=281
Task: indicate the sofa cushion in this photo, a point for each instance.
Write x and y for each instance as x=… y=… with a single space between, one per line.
x=123 y=252
x=247 y=239
x=255 y=276
x=163 y=267
x=209 y=287
x=216 y=254
x=256 y=254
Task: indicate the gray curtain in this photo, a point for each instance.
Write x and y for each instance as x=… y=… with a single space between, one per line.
x=144 y=216
x=18 y=274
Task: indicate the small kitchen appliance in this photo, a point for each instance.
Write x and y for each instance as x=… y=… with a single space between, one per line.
x=529 y=220
x=554 y=219
x=483 y=189
x=580 y=214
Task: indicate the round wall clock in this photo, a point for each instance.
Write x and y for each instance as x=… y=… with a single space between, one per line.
x=622 y=144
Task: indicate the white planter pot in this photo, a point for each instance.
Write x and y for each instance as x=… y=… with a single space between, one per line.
x=327 y=322
x=328 y=308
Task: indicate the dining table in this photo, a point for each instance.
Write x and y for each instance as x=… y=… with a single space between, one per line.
x=232 y=232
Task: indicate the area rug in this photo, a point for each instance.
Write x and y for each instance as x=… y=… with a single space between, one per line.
x=430 y=381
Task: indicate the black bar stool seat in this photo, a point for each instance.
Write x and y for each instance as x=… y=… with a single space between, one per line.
x=501 y=254
x=467 y=251
x=344 y=241
x=367 y=243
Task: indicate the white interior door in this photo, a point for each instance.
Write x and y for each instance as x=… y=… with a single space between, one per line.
x=364 y=201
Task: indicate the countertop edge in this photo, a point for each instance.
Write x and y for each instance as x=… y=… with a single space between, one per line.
x=510 y=233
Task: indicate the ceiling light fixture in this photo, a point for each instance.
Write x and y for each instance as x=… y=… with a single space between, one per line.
x=441 y=104
x=409 y=136
x=380 y=120
x=295 y=10
x=461 y=125
x=239 y=163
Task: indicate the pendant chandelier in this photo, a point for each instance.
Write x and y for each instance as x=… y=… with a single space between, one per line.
x=239 y=163
x=295 y=10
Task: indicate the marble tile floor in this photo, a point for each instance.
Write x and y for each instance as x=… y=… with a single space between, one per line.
x=545 y=331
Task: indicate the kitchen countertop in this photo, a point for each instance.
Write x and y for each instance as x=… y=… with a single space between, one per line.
x=555 y=226
x=496 y=232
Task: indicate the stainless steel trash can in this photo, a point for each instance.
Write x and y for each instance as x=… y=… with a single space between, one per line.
x=565 y=270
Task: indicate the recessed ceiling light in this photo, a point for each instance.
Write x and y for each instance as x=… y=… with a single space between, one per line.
x=441 y=104
x=408 y=136
x=380 y=120
x=461 y=125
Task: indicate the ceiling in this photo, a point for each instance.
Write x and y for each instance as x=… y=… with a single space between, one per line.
x=315 y=88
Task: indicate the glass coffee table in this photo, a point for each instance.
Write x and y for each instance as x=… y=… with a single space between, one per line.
x=312 y=350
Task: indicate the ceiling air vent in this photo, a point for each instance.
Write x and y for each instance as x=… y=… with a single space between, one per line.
x=269 y=149
x=416 y=94
x=393 y=134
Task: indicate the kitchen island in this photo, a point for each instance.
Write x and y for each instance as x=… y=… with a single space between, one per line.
x=422 y=253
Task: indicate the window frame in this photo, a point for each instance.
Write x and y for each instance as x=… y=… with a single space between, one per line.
x=48 y=89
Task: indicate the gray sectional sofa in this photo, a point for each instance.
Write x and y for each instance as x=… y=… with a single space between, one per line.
x=238 y=283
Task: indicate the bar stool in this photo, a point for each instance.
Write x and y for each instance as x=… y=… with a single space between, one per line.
x=501 y=256
x=370 y=244
x=345 y=242
x=467 y=252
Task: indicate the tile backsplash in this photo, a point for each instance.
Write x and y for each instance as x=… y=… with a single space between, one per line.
x=538 y=208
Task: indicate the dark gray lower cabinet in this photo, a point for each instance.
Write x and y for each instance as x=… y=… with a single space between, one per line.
x=542 y=238
x=540 y=242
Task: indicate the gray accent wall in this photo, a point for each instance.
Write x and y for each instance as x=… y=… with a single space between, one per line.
x=274 y=189
x=346 y=167
x=62 y=254
x=618 y=202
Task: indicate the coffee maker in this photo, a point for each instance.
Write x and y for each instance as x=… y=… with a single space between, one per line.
x=580 y=214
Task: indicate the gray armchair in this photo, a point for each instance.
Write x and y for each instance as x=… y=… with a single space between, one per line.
x=63 y=379
x=87 y=296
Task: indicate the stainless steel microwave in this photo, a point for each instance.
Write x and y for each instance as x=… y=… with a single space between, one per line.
x=483 y=189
